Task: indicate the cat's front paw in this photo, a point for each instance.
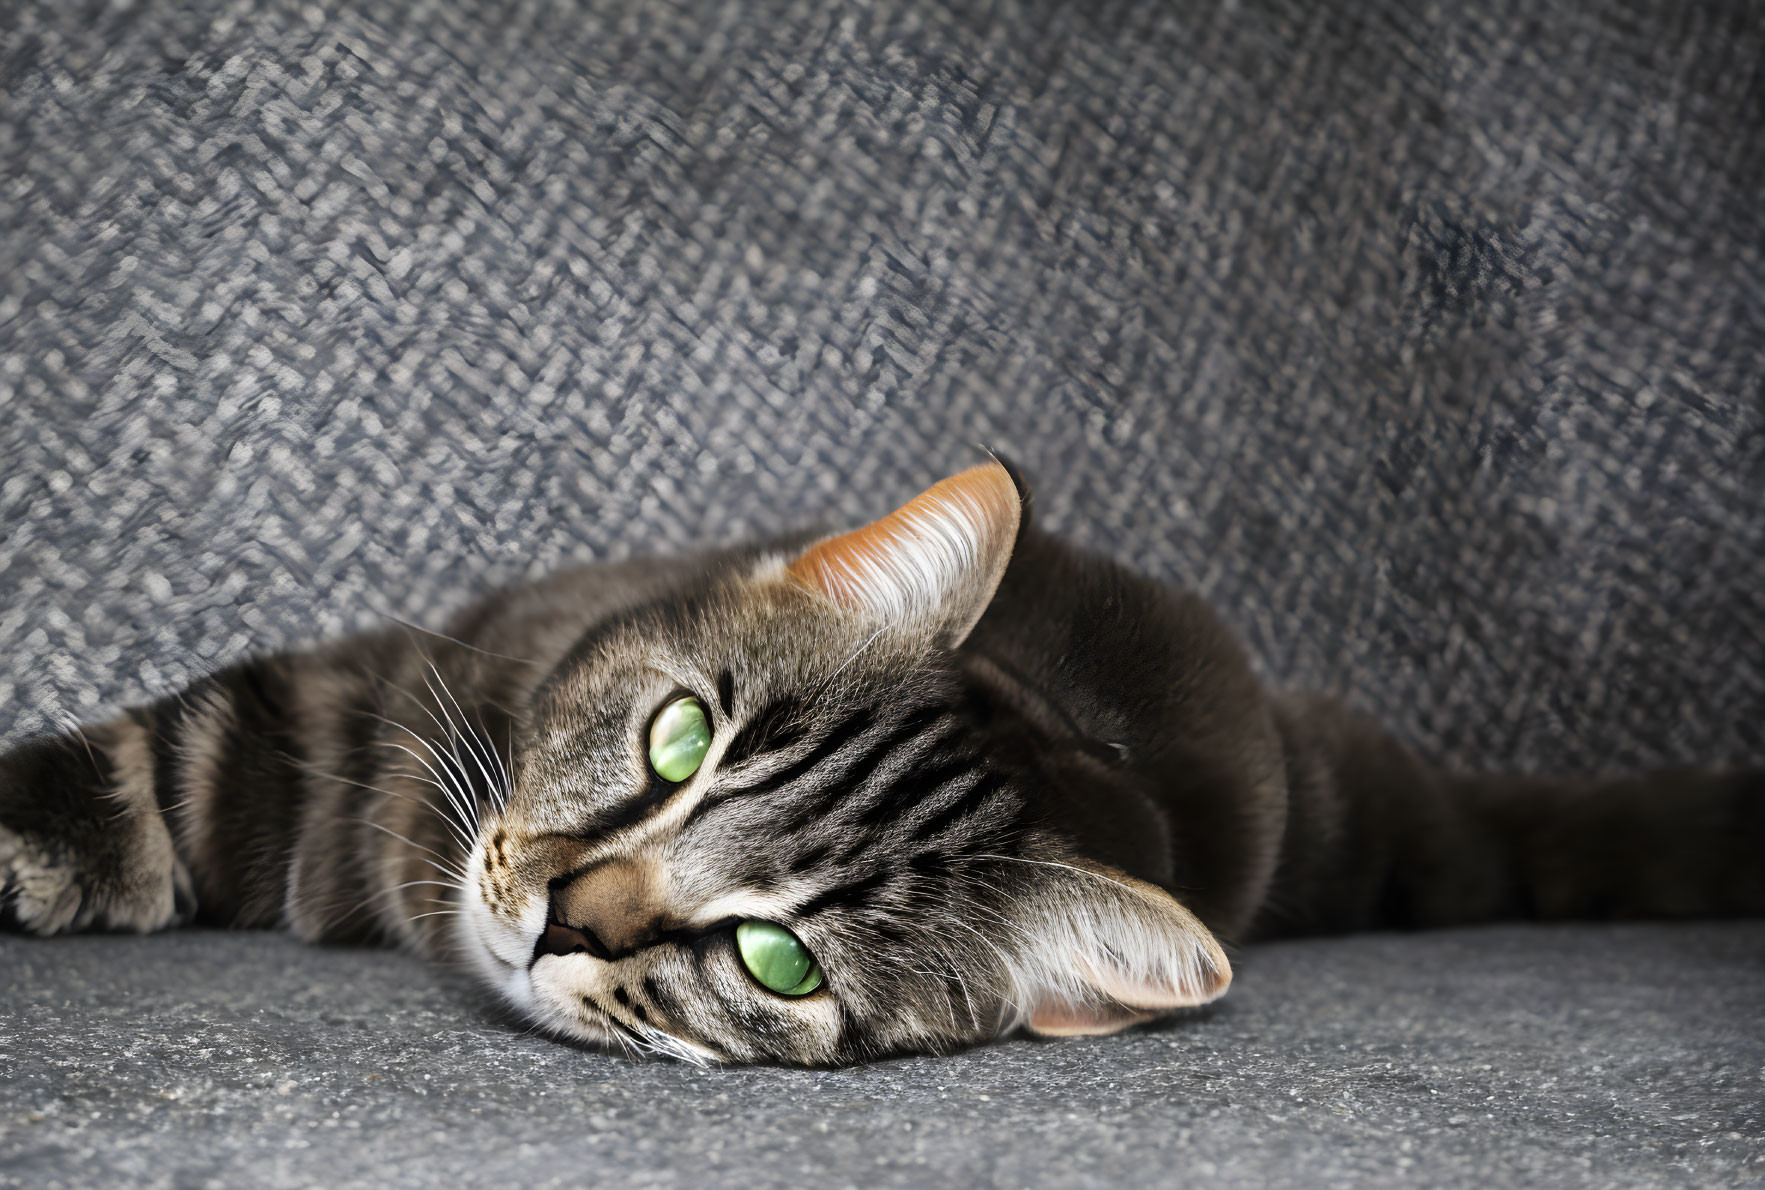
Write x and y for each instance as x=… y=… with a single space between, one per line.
x=37 y=894
x=45 y=890
x=81 y=848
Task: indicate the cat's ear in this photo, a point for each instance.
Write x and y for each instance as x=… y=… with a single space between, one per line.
x=934 y=563
x=1097 y=951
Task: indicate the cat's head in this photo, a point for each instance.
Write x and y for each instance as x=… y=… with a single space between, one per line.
x=752 y=822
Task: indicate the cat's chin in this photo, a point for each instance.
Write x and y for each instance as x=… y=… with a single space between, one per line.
x=511 y=983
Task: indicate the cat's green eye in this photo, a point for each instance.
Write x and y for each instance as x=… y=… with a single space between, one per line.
x=774 y=956
x=680 y=736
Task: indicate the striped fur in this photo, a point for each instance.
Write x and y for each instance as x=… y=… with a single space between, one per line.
x=989 y=781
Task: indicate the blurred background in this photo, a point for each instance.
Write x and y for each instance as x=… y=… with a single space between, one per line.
x=1426 y=341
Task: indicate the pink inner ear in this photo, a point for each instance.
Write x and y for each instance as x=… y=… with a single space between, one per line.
x=1130 y=1001
x=1057 y=1018
x=1157 y=996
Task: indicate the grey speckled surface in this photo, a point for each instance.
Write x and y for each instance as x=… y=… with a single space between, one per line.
x=1623 y=1056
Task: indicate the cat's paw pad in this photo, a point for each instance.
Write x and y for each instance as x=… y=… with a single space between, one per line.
x=44 y=891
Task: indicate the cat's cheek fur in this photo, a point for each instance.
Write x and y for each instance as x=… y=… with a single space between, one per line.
x=580 y=997
x=498 y=946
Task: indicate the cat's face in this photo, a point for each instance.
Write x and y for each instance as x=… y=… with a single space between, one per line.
x=754 y=824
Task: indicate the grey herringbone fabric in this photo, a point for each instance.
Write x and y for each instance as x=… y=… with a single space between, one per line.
x=1427 y=341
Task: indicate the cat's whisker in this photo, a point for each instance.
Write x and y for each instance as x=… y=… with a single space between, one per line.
x=856 y=653
x=410 y=697
x=955 y=969
x=392 y=892
x=447 y=729
x=464 y=804
x=475 y=745
x=679 y=1049
x=508 y=785
x=443 y=871
x=1048 y=863
x=454 y=797
x=73 y=725
x=445 y=865
x=457 y=780
x=460 y=836
x=950 y=970
x=371 y=900
x=632 y=1047
x=454 y=640
x=308 y=900
x=442 y=865
x=1004 y=959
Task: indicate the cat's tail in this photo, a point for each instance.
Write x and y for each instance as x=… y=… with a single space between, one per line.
x=1377 y=838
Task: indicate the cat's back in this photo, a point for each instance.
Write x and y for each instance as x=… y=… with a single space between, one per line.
x=1169 y=713
x=546 y=617
x=1121 y=653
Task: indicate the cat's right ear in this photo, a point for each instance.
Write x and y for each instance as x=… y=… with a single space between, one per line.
x=1094 y=950
x=934 y=563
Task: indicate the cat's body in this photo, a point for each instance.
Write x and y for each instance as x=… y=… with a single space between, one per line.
x=986 y=779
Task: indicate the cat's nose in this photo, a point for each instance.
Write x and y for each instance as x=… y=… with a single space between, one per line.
x=562 y=939
x=609 y=910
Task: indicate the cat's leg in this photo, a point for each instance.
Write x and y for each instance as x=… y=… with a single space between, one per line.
x=333 y=791
x=185 y=804
x=328 y=792
x=83 y=842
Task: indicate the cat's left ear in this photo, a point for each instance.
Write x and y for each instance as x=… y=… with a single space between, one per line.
x=1095 y=951
x=934 y=563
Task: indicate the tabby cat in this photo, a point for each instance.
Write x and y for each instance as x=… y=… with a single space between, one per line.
x=816 y=801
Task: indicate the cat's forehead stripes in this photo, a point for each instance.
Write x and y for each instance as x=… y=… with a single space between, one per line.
x=781 y=723
x=815 y=760
x=859 y=773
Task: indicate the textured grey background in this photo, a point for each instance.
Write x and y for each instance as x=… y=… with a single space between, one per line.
x=1427 y=340
x=1558 y=1056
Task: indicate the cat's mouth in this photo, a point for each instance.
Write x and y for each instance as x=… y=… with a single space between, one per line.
x=571 y=1002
